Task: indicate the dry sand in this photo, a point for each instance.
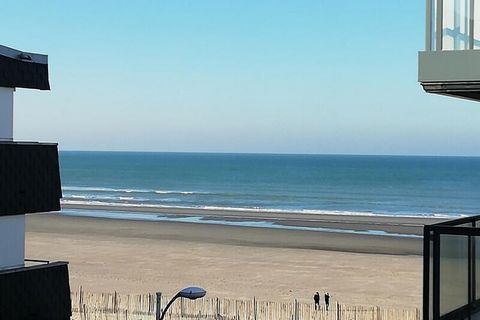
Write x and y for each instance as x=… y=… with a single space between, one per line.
x=231 y=261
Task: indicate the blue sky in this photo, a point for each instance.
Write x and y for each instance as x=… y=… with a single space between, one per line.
x=234 y=76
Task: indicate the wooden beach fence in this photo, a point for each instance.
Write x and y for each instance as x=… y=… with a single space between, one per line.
x=114 y=306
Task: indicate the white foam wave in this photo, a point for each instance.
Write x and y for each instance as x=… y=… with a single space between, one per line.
x=104 y=198
x=78 y=197
x=102 y=189
x=177 y=192
x=119 y=190
x=99 y=202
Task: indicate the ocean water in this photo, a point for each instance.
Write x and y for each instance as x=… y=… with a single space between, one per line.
x=386 y=185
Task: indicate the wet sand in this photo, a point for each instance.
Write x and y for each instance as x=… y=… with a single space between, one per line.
x=391 y=224
x=235 y=262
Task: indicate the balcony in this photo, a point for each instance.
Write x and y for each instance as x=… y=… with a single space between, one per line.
x=451 y=287
x=450 y=64
x=39 y=291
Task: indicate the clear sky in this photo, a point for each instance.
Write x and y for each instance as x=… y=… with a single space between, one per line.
x=234 y=76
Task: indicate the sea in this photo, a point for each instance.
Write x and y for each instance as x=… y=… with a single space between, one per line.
x=338 y=184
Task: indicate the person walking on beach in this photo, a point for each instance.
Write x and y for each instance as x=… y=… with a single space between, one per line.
x=316 y=299
x=327 y=300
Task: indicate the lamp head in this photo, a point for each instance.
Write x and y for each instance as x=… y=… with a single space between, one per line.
x=192 y=293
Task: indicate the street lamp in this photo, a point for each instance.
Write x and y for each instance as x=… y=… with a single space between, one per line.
x=191 y=293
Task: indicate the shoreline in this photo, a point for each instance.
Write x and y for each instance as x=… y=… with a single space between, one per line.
x=308 y=212
x=375 y=225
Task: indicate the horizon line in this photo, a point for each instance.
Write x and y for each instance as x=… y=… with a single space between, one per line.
x=278 y=153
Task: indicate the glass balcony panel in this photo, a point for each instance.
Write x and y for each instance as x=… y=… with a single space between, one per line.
x=456 y=22
x=430 y=284
x=477 y=267
x=433 y=24
x=476 y=25
x=453 y=272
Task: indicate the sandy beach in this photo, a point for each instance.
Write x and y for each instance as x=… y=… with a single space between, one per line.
x=235 y=262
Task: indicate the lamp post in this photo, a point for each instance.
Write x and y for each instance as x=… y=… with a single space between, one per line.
x=191 y=293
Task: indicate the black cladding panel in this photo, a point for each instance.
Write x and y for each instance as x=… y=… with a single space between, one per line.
x=29 y=178
x=18 y=73
x=37 y=293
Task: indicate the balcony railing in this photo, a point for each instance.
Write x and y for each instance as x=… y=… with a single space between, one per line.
x=451 y=288
x=450 y=63
x=452 y=25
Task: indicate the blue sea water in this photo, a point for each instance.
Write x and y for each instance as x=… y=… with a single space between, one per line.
x=387 y=185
